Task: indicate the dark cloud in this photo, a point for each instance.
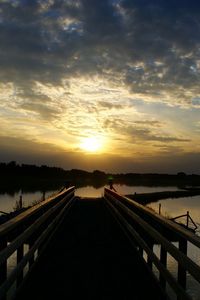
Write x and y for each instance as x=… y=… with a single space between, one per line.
x=135 y=133
x=169 y=163
x=42 y=105
x=146 y=134
x=51 y=40
x=103 y=15
x=31 y=151
x=151 y=123
x=109 y=105
x=27 y=151
x=150 y=48
x=43 y=110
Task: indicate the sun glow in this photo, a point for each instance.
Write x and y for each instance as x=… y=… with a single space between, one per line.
x=91 y=144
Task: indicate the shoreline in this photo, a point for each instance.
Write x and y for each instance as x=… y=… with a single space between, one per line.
x=146 y=198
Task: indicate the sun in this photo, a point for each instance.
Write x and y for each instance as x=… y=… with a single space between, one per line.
x=90 y=144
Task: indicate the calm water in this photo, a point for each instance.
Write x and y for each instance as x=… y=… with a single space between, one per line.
x=175 y=207
x=122 y=189
x=8 y=201
x=169 y=208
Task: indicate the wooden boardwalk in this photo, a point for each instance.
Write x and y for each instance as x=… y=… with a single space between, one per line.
x=90 y=257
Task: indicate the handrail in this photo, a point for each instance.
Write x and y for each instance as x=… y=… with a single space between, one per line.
x=145 y=235
x=11 y=224
x=168 y=224
x=179 y=256
x=150 y=253
x=4 y=254
x=187 y=215
x=37 y=231
x=3 y=212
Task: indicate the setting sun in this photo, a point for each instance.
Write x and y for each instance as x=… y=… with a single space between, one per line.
x=91 y=144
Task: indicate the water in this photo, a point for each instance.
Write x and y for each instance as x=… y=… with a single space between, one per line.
x=8 y=201
x=90 y=191
x=169 y=207
x=173 y=207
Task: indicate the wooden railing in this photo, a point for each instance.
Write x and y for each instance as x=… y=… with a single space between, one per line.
x=26 y=235
x=188 y=219
x=146 y=229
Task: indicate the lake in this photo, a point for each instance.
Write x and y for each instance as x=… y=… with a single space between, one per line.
x=169 y=207
x=8 y=201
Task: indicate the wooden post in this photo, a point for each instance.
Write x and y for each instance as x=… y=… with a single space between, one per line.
x=140 y=251
x=20 y=254
x=188 y=215
x=149 y=261
x=181 y=270
x=163 y=260
x=20 y=202
x=31 y=260
x=159 y=208
x=3 y=266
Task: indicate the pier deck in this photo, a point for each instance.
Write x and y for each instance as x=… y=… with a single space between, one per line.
x=90 y=257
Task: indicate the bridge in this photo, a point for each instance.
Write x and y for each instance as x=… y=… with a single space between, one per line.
x=67 y=247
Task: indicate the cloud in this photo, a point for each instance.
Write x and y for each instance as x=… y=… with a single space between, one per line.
x=146 y=134
x=31 y=101
x=109 y=105
x=46 y=153
x=141 y=131
x=152 y=46
x=169 y=163
x=151 y=123
x=84 y=67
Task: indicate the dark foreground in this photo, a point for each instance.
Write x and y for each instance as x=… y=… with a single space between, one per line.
x=90 y=258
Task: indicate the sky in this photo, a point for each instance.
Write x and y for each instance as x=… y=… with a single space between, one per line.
x=95 y=84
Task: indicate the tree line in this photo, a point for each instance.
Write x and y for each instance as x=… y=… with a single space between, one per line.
x=25 y=172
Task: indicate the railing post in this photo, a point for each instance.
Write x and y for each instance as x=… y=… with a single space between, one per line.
x=20 y=254
x=149 y=261
x=140 y=250
x=31 y=260
x=163 y=260
x=181 y=270
x=159 y=209
x=188 y=215
x=20 y=202
x=3 y=266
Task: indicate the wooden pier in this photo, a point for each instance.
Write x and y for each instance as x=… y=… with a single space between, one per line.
x=90 y=257
x=94 y=248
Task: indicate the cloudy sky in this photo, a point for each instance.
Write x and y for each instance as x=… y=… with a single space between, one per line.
x=98 y=84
